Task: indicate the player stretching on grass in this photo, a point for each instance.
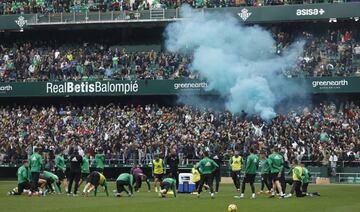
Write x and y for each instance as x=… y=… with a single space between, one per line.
x=206 y=167
x=23 y=179
x=60 y=168
x=123 y=180
x=85 y=168
x=301 y=178
x=52 y=181
x=166 y=185
x=297 y=177
x=305 y=182
x=139 y=177
x=94 y=180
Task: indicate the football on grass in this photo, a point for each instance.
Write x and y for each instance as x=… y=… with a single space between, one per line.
x=232 y=208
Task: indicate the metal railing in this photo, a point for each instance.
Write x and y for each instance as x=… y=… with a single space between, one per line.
x=7 y=8
x=348 y=178
x=105 y=17
x=145 y=160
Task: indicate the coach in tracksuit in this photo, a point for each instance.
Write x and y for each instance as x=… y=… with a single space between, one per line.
x=75 y=170
x=217 y=173
x=173 y=162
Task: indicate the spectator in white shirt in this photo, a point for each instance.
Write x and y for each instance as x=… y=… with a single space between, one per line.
x=333 y=160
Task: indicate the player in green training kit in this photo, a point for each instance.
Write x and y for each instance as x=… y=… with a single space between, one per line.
x=276 y=163
x=60 y=168
x=85 y=168
x=123 y=180
x=206 y=168
x=305 y=182
x=252 y=163
x=36 y=164
x=100 y=161
x=166 y=185
x=52 y=181
x=265 y=173
x=23 y=179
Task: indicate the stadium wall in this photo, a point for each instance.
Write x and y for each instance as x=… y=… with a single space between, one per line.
x=262 y=14
x=155 y=87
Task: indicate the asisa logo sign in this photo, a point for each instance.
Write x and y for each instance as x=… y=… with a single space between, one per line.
x=310 y=12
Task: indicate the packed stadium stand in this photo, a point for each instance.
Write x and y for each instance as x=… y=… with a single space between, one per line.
x=329 y=51
x=134 y=133
x=47 y=48
x=59 y=6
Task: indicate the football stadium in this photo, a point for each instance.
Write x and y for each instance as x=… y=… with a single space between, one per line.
x=180 y=105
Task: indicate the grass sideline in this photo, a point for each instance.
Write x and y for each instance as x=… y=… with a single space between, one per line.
x=334 y=198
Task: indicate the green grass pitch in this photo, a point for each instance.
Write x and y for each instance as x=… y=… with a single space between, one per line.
x=334 y=198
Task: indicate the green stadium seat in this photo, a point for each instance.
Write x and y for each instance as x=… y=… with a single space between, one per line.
x=357 y=180
x=84 y=8
x=350 y=179
x=51 y=9
x=133 y=77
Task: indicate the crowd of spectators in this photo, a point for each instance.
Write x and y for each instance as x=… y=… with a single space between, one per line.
x=88 y=62
x=60 y=6
x=131 y=133
x=333 y=53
